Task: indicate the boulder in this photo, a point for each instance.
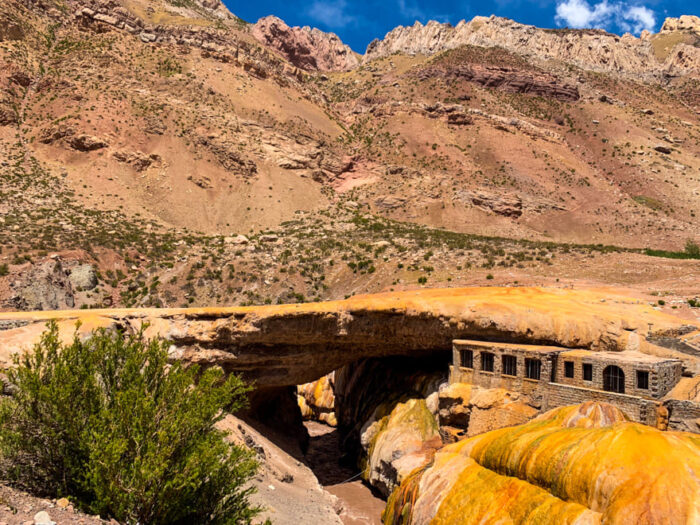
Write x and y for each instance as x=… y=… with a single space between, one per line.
x=83 y=277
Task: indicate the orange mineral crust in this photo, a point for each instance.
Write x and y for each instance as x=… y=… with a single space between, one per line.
x=578 y=464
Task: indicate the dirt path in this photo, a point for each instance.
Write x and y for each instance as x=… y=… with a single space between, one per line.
x=360 y=505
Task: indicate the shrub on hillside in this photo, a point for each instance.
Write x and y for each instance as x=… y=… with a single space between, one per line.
x=107 y=422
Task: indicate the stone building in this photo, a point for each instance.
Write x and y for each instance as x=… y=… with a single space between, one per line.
x=556 y=376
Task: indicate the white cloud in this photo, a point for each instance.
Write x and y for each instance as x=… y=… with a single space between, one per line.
x=641 y=18
x=580 y=14
x=331 y=14
x=410 y=11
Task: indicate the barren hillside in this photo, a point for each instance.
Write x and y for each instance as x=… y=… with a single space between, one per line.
x=168 y=153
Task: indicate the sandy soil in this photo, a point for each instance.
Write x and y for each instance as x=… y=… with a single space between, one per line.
x=360 y=506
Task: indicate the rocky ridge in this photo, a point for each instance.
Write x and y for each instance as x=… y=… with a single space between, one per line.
x=307 y=48
x=588 y=49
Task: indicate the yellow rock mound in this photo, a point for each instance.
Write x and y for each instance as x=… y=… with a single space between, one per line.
x=581 y=464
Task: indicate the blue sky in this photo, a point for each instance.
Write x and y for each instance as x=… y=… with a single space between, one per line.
x=358 y=23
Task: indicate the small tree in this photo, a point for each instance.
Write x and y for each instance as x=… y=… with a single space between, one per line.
x=109 y=423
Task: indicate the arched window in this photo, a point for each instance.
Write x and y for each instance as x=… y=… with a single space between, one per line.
x=614 y=379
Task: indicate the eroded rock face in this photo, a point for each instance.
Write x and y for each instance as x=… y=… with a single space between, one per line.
x=46 y=286
x=579 y=464
x=306 y=48
x=288 y=345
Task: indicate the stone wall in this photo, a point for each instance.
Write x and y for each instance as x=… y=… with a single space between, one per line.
x=663 y=374
x=635 y=408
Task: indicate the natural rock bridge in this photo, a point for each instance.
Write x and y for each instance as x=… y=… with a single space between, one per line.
x=291 y=344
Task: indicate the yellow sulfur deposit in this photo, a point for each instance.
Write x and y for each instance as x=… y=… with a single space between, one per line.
x=580 y=464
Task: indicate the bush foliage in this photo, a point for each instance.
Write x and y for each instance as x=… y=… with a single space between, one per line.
x=107 y=422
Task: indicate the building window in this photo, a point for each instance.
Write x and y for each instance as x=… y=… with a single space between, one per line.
x=487 y=362
x=642 y=379
x=533 y=367
x=568 y=369
x=587 y=372
x=510 y=367
x=614 y=379
x=466 y=358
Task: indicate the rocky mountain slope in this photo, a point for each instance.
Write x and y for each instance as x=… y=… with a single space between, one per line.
x=672 y=51
x=307 y=48
x=190 y=158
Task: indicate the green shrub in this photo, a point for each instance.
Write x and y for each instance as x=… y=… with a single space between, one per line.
x=4 y=270
x=107 y=422
x=692 y=249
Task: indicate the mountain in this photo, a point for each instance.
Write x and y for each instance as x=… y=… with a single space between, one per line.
x=180 y=155
x=671 y=52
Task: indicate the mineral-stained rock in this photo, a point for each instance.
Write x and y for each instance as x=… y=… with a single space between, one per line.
x=280 y=345
x=399 y=438
x=304 y=47
x=579 y=464
x=317 y=400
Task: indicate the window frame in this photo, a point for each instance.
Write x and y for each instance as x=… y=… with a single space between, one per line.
x=490 y=358
x=587 y=367
x=645 y=374
x=469 y=362
x=512 y=365
x=529 y=361
x=569 y=366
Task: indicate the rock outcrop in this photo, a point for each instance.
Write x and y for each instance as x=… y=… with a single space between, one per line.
x=288 y=345
x=589 y=49
x=579 y=464
x=306 y=48
x=466 y=64
x=317 y=400
x=682 y=23
x=45 y=286
x=468 y=410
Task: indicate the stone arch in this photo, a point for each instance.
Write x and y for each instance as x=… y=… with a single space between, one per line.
x=614 y=379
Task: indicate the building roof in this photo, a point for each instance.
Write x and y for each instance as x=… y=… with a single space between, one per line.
x=510 y=347
x=632 y=357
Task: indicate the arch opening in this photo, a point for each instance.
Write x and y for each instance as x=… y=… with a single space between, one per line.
x=614 y=379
